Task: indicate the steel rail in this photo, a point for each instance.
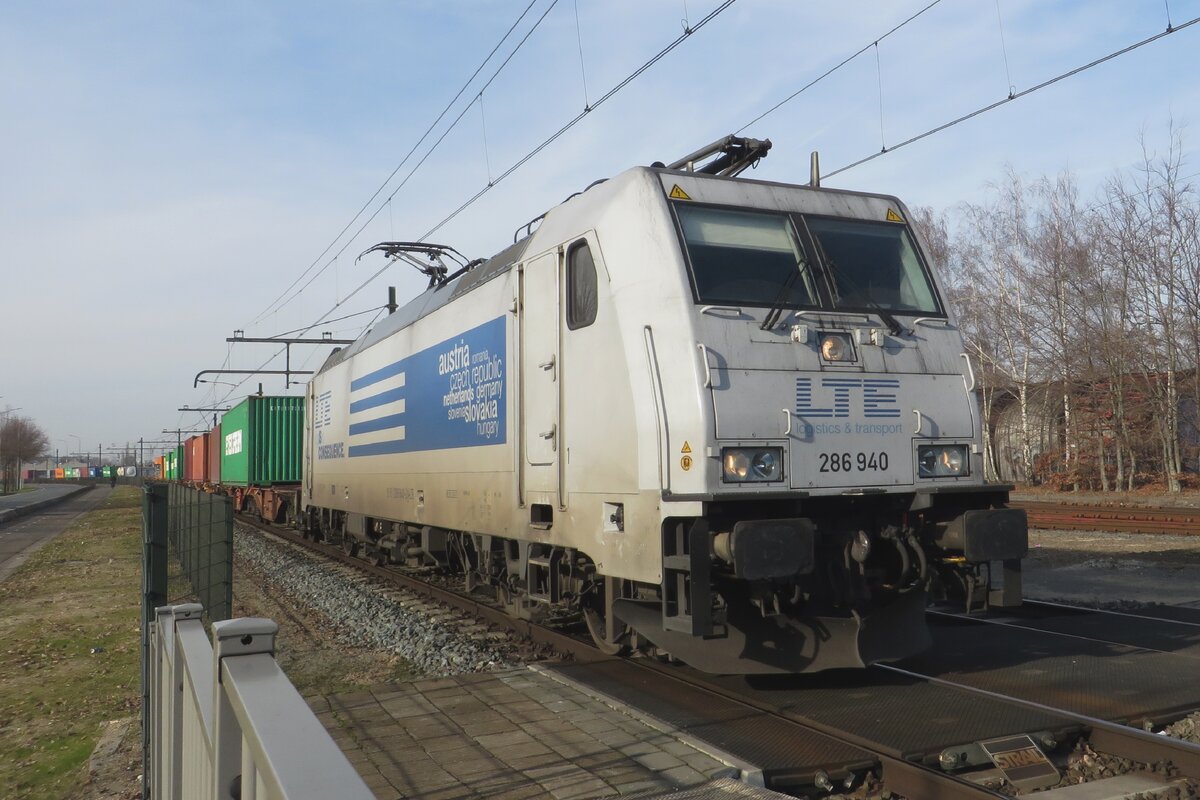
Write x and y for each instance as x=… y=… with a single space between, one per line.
x=1112 y=612
x=907 y=778
x=1016 y=625
x=910 y=779
x=1118 y=519
x=1104 y=736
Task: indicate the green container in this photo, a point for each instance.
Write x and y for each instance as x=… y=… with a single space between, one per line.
x=262 y=440
x=176 y=468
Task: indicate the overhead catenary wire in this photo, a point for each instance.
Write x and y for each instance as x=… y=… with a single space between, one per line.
x=874 y=43
x=423 y=158
x=834 y=68
x=547 y=142
x=579 y=117
x=688 y=31
x=582 y=68
x=1016 y=96
x=487 y=160
x=879 y=85
x=404 y=160
x=1004 y=50
x=387 y=203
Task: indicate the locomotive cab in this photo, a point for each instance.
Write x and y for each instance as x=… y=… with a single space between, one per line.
x=818 y=432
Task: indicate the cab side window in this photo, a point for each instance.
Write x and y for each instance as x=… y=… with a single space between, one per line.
x=581 y=286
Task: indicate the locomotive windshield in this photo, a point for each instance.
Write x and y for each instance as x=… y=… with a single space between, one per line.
x=746 y=257
x=758 y=258
x=871 y=264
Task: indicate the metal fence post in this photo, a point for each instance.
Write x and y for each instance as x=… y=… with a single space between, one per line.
x=234 y=637
x=226 y=554
x=173 y=701
x=154 y=594
x=154 y=717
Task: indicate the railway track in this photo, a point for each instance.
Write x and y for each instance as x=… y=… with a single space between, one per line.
x=1115 y=518
x=801 y=723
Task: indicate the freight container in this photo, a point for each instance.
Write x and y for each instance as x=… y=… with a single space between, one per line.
x=262 y=438
x=213 y=476
x=59 y=473
x=197 y=458
x=159 y=470
x=92 y=472
x=174 y=463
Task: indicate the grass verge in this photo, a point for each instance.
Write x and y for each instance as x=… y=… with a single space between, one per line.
x=69 y=648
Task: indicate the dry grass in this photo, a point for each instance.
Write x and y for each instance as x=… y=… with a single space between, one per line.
x=69 y=658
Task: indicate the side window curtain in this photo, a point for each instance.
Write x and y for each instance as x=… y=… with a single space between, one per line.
x=581 y=286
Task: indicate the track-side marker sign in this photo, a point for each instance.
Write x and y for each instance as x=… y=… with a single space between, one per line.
x=1022 y=762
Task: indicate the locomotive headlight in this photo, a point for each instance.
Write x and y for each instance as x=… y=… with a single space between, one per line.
x=836 y=347
x=942 y=461
x=737 y=465
x=747 y=464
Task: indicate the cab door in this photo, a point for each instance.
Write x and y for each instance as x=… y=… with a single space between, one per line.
x=540 y=378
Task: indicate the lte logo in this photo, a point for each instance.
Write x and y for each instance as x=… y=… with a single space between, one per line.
x=875 y=401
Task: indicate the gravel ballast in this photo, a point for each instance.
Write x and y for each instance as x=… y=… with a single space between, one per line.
x=362 y=614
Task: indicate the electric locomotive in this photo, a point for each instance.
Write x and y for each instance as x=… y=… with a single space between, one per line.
x=727 y=420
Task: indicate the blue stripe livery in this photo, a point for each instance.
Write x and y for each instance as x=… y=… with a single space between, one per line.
x=454 y=395
x=376 y=400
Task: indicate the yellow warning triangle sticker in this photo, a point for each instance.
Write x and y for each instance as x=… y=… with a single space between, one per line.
x=892 y=216
x=678 y=194
x=687 y=448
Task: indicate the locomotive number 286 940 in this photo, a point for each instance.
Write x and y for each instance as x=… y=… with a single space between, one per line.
x=853 y=462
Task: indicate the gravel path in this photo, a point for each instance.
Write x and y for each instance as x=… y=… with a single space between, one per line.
x=359 y=613
x=1102 y=568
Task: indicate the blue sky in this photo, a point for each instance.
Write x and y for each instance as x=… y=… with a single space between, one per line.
x=169 y=168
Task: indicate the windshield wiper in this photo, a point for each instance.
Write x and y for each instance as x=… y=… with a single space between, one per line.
x=781 y=300
x=893 y=325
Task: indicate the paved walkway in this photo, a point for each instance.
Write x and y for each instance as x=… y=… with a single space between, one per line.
x=509 y=735
x=46 y=492
x=20 y=538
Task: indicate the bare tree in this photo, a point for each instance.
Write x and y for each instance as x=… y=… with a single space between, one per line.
x=21 y=441
x=1000 y=317
x=1150 y=228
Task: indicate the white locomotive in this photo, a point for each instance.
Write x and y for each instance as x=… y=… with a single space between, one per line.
x=724 y=419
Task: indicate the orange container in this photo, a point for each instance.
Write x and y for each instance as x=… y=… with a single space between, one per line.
x=196 y=458
x=213 y=474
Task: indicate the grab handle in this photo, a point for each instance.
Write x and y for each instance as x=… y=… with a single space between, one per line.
x=707 y=371
x=970 y=371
